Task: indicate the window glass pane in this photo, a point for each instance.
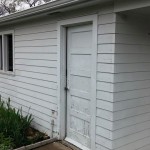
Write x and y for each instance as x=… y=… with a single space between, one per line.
x=9 y=51
x=1 y=54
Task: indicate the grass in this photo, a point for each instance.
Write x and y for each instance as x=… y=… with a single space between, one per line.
x=5 y=143
x=14 y=127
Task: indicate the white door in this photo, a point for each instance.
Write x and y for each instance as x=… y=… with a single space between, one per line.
x=79 y=64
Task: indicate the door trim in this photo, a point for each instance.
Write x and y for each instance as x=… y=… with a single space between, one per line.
x=61 y=71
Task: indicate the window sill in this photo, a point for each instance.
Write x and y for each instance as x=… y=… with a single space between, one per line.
x=7 y=73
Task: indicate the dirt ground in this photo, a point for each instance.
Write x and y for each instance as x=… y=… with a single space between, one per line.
x=53 y=146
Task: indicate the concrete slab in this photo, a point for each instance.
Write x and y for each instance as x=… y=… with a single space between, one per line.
x=54 y=146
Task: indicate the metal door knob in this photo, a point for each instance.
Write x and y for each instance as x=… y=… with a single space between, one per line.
x=66 y=88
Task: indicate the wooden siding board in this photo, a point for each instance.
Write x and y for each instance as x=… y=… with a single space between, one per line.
x=106 y=39
x=131 y=106
x=106 y=29
x=36 y=29
x=29 y=98
x=105 y=77
x=135 y=85
x=27 y=104
x=44 y=70
x=104 y=132
x=40 y=56
x=31 y=81
x=104 y=142
x=106 y=49
x=41 y=90
x=105 y=61
x=105 y=105
x=37 y=49
x=101 y=122
x=104 y=95
x=108 y=18
x=129 y=5
x=105 y=67
x=35 y=82
x=34 y=85
x=36 y=36
x=100 y=147
x=32 y=43
x=31 y=62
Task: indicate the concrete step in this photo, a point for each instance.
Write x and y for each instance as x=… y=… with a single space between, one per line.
x=54 y=146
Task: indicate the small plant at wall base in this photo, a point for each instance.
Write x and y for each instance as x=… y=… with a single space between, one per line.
x=15 y=129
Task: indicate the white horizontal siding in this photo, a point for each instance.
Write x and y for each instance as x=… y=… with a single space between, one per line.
x=106 y=41
x=131 y=93
x=41 y=42
x=37 y=49
x=30 y=62
x=34 y=85
x=30 y=29
x=37 y=36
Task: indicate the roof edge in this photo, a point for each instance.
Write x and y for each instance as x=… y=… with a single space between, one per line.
x=52 y=6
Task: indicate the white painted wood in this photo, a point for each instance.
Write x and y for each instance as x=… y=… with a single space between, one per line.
x=41 y=63
x=46 y=91
x=36 y=29
x=105 y=80
x=131 y=121
x=100 y=147
x=39 y=68
x=33 y=85
x=91 y=19
x=124 y=142
x=129 y=5
x=131 y=106
x=106 y=48
x=108 y=115
x=35 y=36
x=44 y=42
x=36 y=82
x=78 y=108
x=107 y=18
x=106 y=28
x=104 y=142
x=36 y=56
x=104 y=132
x=106 y=39
x=106 y=124
x=37 y=49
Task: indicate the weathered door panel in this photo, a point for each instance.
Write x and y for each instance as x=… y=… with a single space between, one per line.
x=79 y=57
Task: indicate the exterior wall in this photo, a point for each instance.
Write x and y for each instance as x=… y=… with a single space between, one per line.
x=123 y=77
x=105 y=77
x=131 y=107
x=34 y=84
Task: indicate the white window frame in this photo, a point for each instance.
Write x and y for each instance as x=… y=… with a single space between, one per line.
x=4 y=53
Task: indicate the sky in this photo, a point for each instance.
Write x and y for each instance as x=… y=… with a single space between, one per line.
x=24 y=5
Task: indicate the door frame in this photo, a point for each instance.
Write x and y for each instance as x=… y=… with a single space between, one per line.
x=61 y=72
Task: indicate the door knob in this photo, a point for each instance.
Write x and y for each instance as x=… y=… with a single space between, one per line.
x=66 y=88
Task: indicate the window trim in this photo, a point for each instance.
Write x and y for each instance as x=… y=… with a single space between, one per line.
x=4 y=70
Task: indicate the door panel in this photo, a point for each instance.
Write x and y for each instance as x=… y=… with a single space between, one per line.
x=79 y=58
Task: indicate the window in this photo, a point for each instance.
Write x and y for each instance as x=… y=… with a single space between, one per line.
x=6 y=52
x=1 y=53
x=8 y=40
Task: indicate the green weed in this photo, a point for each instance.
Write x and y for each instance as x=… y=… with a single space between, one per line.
x=13 y=125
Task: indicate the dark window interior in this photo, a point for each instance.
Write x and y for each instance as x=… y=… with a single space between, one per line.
x=1 y=54
x=9 y=42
